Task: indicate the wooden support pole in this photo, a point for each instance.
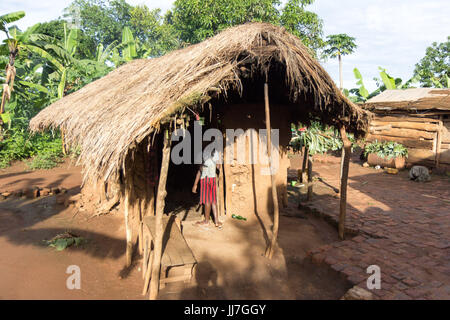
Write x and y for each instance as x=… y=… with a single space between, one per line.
x=342 y=162
x=147 y=248
x=276 y=214
x=161 y=195
x=305 y=160
x=310 y=184
x=344 y=180
x=439 y=141
x=128 y=209
x=148 y=272
x=221 y=192
x=140 y=214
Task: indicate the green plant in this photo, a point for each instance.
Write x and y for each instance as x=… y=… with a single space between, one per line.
x=44 y=161
x=317 y=138
x=386 y=150
x=64 y=240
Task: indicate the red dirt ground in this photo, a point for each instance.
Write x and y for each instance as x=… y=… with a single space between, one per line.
x=230 y=261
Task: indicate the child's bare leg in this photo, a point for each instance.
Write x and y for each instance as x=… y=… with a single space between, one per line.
x=216 y=216
x=207 y=208
x=207 y=212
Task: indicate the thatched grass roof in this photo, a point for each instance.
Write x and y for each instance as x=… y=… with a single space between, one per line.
x=111 y=114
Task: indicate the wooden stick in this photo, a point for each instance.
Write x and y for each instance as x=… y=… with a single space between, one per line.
x=439 y=141
x=305 y=160
x=221 y=192
x=147 y=247
x=342 y=162
x=141 y=225
x=310 y=184
x=148 y=273
x=270 y=249
x=129 y=249
x=344 y=180
x=161 y=195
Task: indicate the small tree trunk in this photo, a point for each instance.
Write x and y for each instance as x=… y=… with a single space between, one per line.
x=161 y=195
x=276 y=214
x=344 y=180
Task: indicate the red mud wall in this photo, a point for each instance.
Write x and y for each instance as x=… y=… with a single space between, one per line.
x=248 y=188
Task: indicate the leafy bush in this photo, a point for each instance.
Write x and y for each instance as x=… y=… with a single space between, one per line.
x=19 y=144
x=387 y=150
x=45 y=161
x=318 y=138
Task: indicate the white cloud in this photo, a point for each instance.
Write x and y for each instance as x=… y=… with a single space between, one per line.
x=390 y=33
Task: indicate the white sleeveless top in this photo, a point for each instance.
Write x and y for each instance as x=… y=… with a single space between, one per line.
x=209 y=166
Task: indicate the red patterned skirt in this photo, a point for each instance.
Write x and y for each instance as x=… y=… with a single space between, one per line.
x=207 y=190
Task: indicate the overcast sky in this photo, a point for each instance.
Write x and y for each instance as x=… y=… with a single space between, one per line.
x=392 y=34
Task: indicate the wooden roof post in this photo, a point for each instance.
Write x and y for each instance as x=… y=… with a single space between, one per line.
x=310 y=180
x=439 y=141
x=161 y=195
x=344 y=179
x=221 y=192
x=128 y=209
x=270 y=248
x=305 y=161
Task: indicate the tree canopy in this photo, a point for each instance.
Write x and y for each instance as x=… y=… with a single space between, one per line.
x=433 y=70
x=54 y=58
x=339 y=45
x=196 y=20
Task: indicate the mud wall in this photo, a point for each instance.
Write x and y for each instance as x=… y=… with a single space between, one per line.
x=248 y=186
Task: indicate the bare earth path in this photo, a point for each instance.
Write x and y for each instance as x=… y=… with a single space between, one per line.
x=403 y=227
x=231 y=265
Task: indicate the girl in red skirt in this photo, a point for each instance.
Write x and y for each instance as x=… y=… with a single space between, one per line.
x=208 y=193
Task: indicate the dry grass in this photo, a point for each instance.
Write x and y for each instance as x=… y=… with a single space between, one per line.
x=111 y=114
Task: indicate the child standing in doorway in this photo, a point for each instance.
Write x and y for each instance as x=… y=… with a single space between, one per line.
x=206 y=175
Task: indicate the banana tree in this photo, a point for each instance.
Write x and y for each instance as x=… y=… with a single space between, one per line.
x=361 y=93
x=438 y=83
x=59 y=54
x=130 y=48
x=391 y=83
x=12 y=46
x=385 y=82
x=102 y=54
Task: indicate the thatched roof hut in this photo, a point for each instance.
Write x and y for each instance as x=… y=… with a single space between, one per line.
x=111 y=114
x=226 y=79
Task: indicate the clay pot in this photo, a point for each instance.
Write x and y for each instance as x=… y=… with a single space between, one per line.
x=398 y=163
